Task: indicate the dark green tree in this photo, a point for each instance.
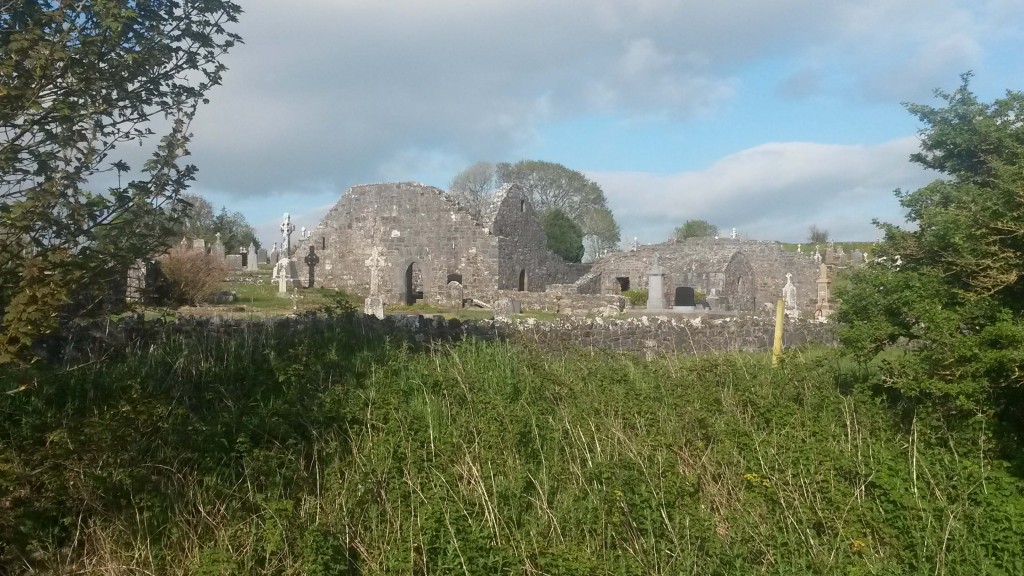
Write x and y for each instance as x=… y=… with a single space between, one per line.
x=200 y=221
x=950 y=293
x=565 y=237
x=550 y=185
x=78 y=82
x=696 y=229
x=235 y=231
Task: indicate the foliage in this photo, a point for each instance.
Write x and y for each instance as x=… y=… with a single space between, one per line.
x=191 y=275
x=603 y=233
x=551 y=185
x=955 y=302
x=200 y=221
x=696 y=229
x=78 y=81
x=474 y=187
x=636 y=297
x=816 y=235
x=565 y=237
x=323 y=447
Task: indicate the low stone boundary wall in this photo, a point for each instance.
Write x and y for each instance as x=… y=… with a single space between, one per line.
x=565 y=302
x=646 y=334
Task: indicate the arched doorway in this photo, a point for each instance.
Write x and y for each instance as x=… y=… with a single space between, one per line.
x=413 y=284
x=522 y=280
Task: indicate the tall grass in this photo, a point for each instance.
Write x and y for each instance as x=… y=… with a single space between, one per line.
x=318 y=450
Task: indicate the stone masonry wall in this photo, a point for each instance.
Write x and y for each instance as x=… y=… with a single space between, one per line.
x=524 y=260
x=705 y=263
x=413 y=225
x=643 y=335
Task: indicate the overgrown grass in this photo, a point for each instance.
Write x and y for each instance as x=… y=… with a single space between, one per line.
x=314 y=450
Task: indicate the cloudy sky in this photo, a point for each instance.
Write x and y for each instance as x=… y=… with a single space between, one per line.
x=764 y=115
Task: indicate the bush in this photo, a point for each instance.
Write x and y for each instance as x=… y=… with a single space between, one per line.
x=636 y=297
x=192 y=276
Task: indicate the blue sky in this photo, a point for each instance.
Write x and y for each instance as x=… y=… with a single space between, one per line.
x=768 y=117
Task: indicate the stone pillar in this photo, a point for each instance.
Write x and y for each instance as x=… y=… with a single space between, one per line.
x=656 y=286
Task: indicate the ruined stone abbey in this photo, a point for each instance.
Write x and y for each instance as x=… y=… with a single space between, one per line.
x=405 y=242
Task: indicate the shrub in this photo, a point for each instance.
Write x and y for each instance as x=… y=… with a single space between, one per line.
x=636 y=297
x=192 y=276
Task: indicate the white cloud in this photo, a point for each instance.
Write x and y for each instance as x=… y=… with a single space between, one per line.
x=773 y=191
x=328 y=93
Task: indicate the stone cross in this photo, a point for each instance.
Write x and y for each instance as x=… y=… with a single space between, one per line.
x=286 y=234
x=799 y=249
x=311 y=260
x=376 y=261
x=789 y=292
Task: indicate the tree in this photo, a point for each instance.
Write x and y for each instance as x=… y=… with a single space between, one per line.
x=197 y=218
x=565 y=237
x=604 y=233
x=235 y=231
x=199 y=221
x=955 y=304
x=551 y=185
x=474 y=187
x=696 y=229
x=817 y=235
x=79 y=81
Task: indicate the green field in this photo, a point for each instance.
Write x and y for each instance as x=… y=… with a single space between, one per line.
x=318 y=450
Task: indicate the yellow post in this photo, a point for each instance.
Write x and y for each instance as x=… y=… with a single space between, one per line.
x=780 y=314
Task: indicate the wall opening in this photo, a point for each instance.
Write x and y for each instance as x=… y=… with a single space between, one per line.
x=623 y=283
x=413 y=284
x=522 y=205
x=454 y=277
x=522 y=280
x=323 y=243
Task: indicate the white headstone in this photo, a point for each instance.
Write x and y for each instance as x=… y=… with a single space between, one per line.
x=251 y=257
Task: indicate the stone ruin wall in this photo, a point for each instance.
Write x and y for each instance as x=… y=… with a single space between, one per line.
x=561 y=299
x=422 y=225
x=412 y=224
x=646 y=335
x=706 y=263
x=522 y=246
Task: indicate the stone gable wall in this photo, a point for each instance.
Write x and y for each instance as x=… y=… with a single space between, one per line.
x=522 y=246
x=413 y=224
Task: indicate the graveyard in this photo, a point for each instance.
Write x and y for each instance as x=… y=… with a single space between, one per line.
x=487 y=379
